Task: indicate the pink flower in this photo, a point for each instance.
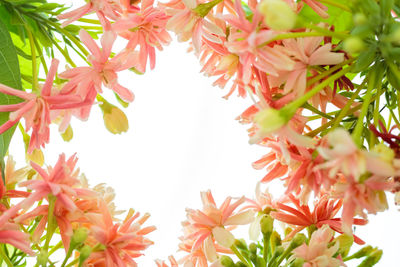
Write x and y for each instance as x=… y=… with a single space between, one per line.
x=88 y=81
x=36 y=109
x=11 y=234
x=203 y=226
x=318 y=252
x=145 y=28
x=103 y=8
x=187 y=23
x=307 y=52
x=60 y=181
x=172 y=261
x=323 y=213
x=122 y=241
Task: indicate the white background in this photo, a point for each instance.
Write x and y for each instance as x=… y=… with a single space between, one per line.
x=183 y=139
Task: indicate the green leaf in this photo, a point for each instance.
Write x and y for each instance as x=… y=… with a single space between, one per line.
x=10 y=76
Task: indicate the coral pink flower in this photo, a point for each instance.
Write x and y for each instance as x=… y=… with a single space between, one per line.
x=146 y=29
x=187 y=23
x=11 y=234
x=319 y=252
x=103 y=8
x=173 y=262
x=323 y=214
x=60 y=181
x=204 y=225
x=36 y=109
x=307 y=52
x=88 y=81
x=246 y=40
x=342 y=155
x=122 y=241
x=366 y=195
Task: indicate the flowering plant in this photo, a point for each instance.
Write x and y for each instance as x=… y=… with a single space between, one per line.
x=323 y=76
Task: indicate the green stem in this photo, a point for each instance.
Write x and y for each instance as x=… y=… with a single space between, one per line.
x=364 y=110
x=55 y=248
x=317 y=111
x=290 y=109
x=327 y=32
x=65 y=55
x=70 y=36
x=346 y=108
x=72 y=263
x=41 y=56
x=240 y=256
x=326 y=73
x=336 y=4
x=266 y=249
x=51 y=223
x=91 y=21
x=35 y=83
x=4 y=257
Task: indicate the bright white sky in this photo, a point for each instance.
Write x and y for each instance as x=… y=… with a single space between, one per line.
x=182 y=139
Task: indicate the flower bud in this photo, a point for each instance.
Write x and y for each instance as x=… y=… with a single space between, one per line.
x=84 y=253
x=67 y=134
x=267 y=225
x=353 y=45
x=360 y=19
x=269 y=120
x=277 y=14
x=345 y=243
x=223 y=237
x=298 y=240
x=36 y=156
x=372 y=259
x=79 y=235
x=41 y=258
x=253 y=248
x=385 y=153
x=227 y=261
x=365 y=251
x=114 y=118
x=299 y=262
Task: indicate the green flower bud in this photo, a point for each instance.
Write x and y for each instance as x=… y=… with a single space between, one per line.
x=240 y=264
x=240 y=244
x=298 y=240
x=372 y=259
x=68 y=134
x=84 y=253
x=253 y=248
x=267 y=224
x=277 y=14
x=114 y=118
x=275 y=240
x=269 y=120
x=365 y=251
x=79 y=235
x=360 y=19
x=297 y=263
x=345 y=243
x=353 y=45
x=227 y=261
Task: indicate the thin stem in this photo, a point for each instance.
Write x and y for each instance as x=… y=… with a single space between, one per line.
x=328 y=72
x=364 y=109
x=336 y=4
x=346 y=108
x=42 y=60
x=72 y=263
x=91 y=21
x=240 y=256
x=4 y=257
x=317 y=111
x=293 y=106
x=65 y=55
x=35 y=83
x=70 y=36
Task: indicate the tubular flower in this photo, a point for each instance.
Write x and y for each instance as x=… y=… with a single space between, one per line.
x=120 y=242
x=301 y=216
x=60 y=181
x=36 y=109
x=173 y=262
x=146 y=29
x=319 y=252
x=103 y=8
x=10 y=234
x=203 y=226
x=88 y=81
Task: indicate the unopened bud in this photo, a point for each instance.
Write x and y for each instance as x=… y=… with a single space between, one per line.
x=223 y=237
x=79 y=235
x=372 y=259
x=385 y=153
x=269 y=120
x=299 y=262
x=240 y=264
x=298 y=240
x=253 y=248
x=345 y=243
x=84 y=253
x=359 y=19
x=241 y=244
x=227 y=261
x=36 y=156
x=68 y=134
x=114 y=118
x=277 y=14
x=353 y=45
x=267 y=225
x=365 y=251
